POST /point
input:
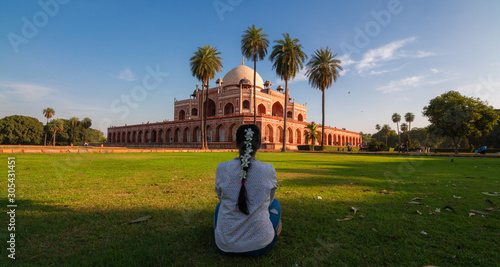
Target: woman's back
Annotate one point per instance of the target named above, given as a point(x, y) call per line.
point(236, 231)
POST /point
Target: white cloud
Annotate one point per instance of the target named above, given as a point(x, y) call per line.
point(399, 85)
point(29, 92)
point(392, 51)
point(126, 75)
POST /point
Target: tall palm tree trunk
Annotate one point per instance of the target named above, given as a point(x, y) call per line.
point(323, 120)
point(205, 141)
point(202, 117)
point(254, 90)
point(45, 141)
point(285, 115)
point(409, 137)
point(399, 135)
point(54, 138)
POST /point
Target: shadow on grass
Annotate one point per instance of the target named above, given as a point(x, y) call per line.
point(387, 233)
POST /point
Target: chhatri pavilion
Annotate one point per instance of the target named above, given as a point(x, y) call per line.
point(230, 105)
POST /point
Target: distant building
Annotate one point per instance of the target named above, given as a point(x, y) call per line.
point(229, 106)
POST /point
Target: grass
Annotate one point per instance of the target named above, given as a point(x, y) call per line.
point(73, 209)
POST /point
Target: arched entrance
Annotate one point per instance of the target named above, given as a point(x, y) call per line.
point(261, 109)
point(268, 134)
point(277, 109)
point(211, 108)
point(221, 133)
point(182, 115)
point(228, 109)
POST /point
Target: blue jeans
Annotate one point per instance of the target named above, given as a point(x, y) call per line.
point(275, 219)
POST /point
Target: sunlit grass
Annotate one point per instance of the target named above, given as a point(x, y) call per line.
point(73, 209)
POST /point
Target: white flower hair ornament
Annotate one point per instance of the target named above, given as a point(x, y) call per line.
point(245, 158)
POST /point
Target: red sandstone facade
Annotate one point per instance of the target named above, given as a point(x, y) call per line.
point(229, 106)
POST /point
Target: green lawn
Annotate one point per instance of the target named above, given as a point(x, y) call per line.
point(73, 209)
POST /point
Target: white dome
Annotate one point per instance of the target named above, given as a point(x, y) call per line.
point(234, 76)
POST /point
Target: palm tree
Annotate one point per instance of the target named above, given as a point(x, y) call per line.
point(377, 127)
point(205, 63)
point(254, 46)
point(73, 122)
point(56, 125)
point(86, 123)
point(396, 118)
point(386, 129)
point(312, 134)
point(48, 113)
point(409, 117)
point(323, 70)
point(287, 57)
point(404, 127)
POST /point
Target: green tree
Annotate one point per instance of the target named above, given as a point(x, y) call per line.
point(22, 130)
point(74, 121)
point(287, 57)
point(366, 138)
point(48, 113)
point(55, 126)
point(377, 127)
point(86, 123)
point(396, 118)
point(386, 130)
point(205, 63)
point(409, 117)
point(254, 46)
point(312, 134)
point(489, 140)
point(457, 117)
point(323, 70)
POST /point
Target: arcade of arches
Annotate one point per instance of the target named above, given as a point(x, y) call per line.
point(173, 133)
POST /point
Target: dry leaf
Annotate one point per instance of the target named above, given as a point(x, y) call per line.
point(361, 216)
point(320, 197)
point(449, 208)
point(348, 217)
point(385, 192)
point(423, 233)
point(471, 214)
point(490, 209)
point(493, 194)
point(414, 202)
point(142, 219)
point(480, 212)
point(289, 192)
point(416, 198)
point(366, 190)
point(354, 209)
point(430, 211)
point(419, 213)
point(490, 203)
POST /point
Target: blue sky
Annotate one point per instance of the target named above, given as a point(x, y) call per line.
point(83, 58)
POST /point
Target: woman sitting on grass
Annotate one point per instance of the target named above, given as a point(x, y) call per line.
point(247, 218)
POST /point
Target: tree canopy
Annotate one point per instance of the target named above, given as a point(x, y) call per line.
point(455, 116)
point(22, 130)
